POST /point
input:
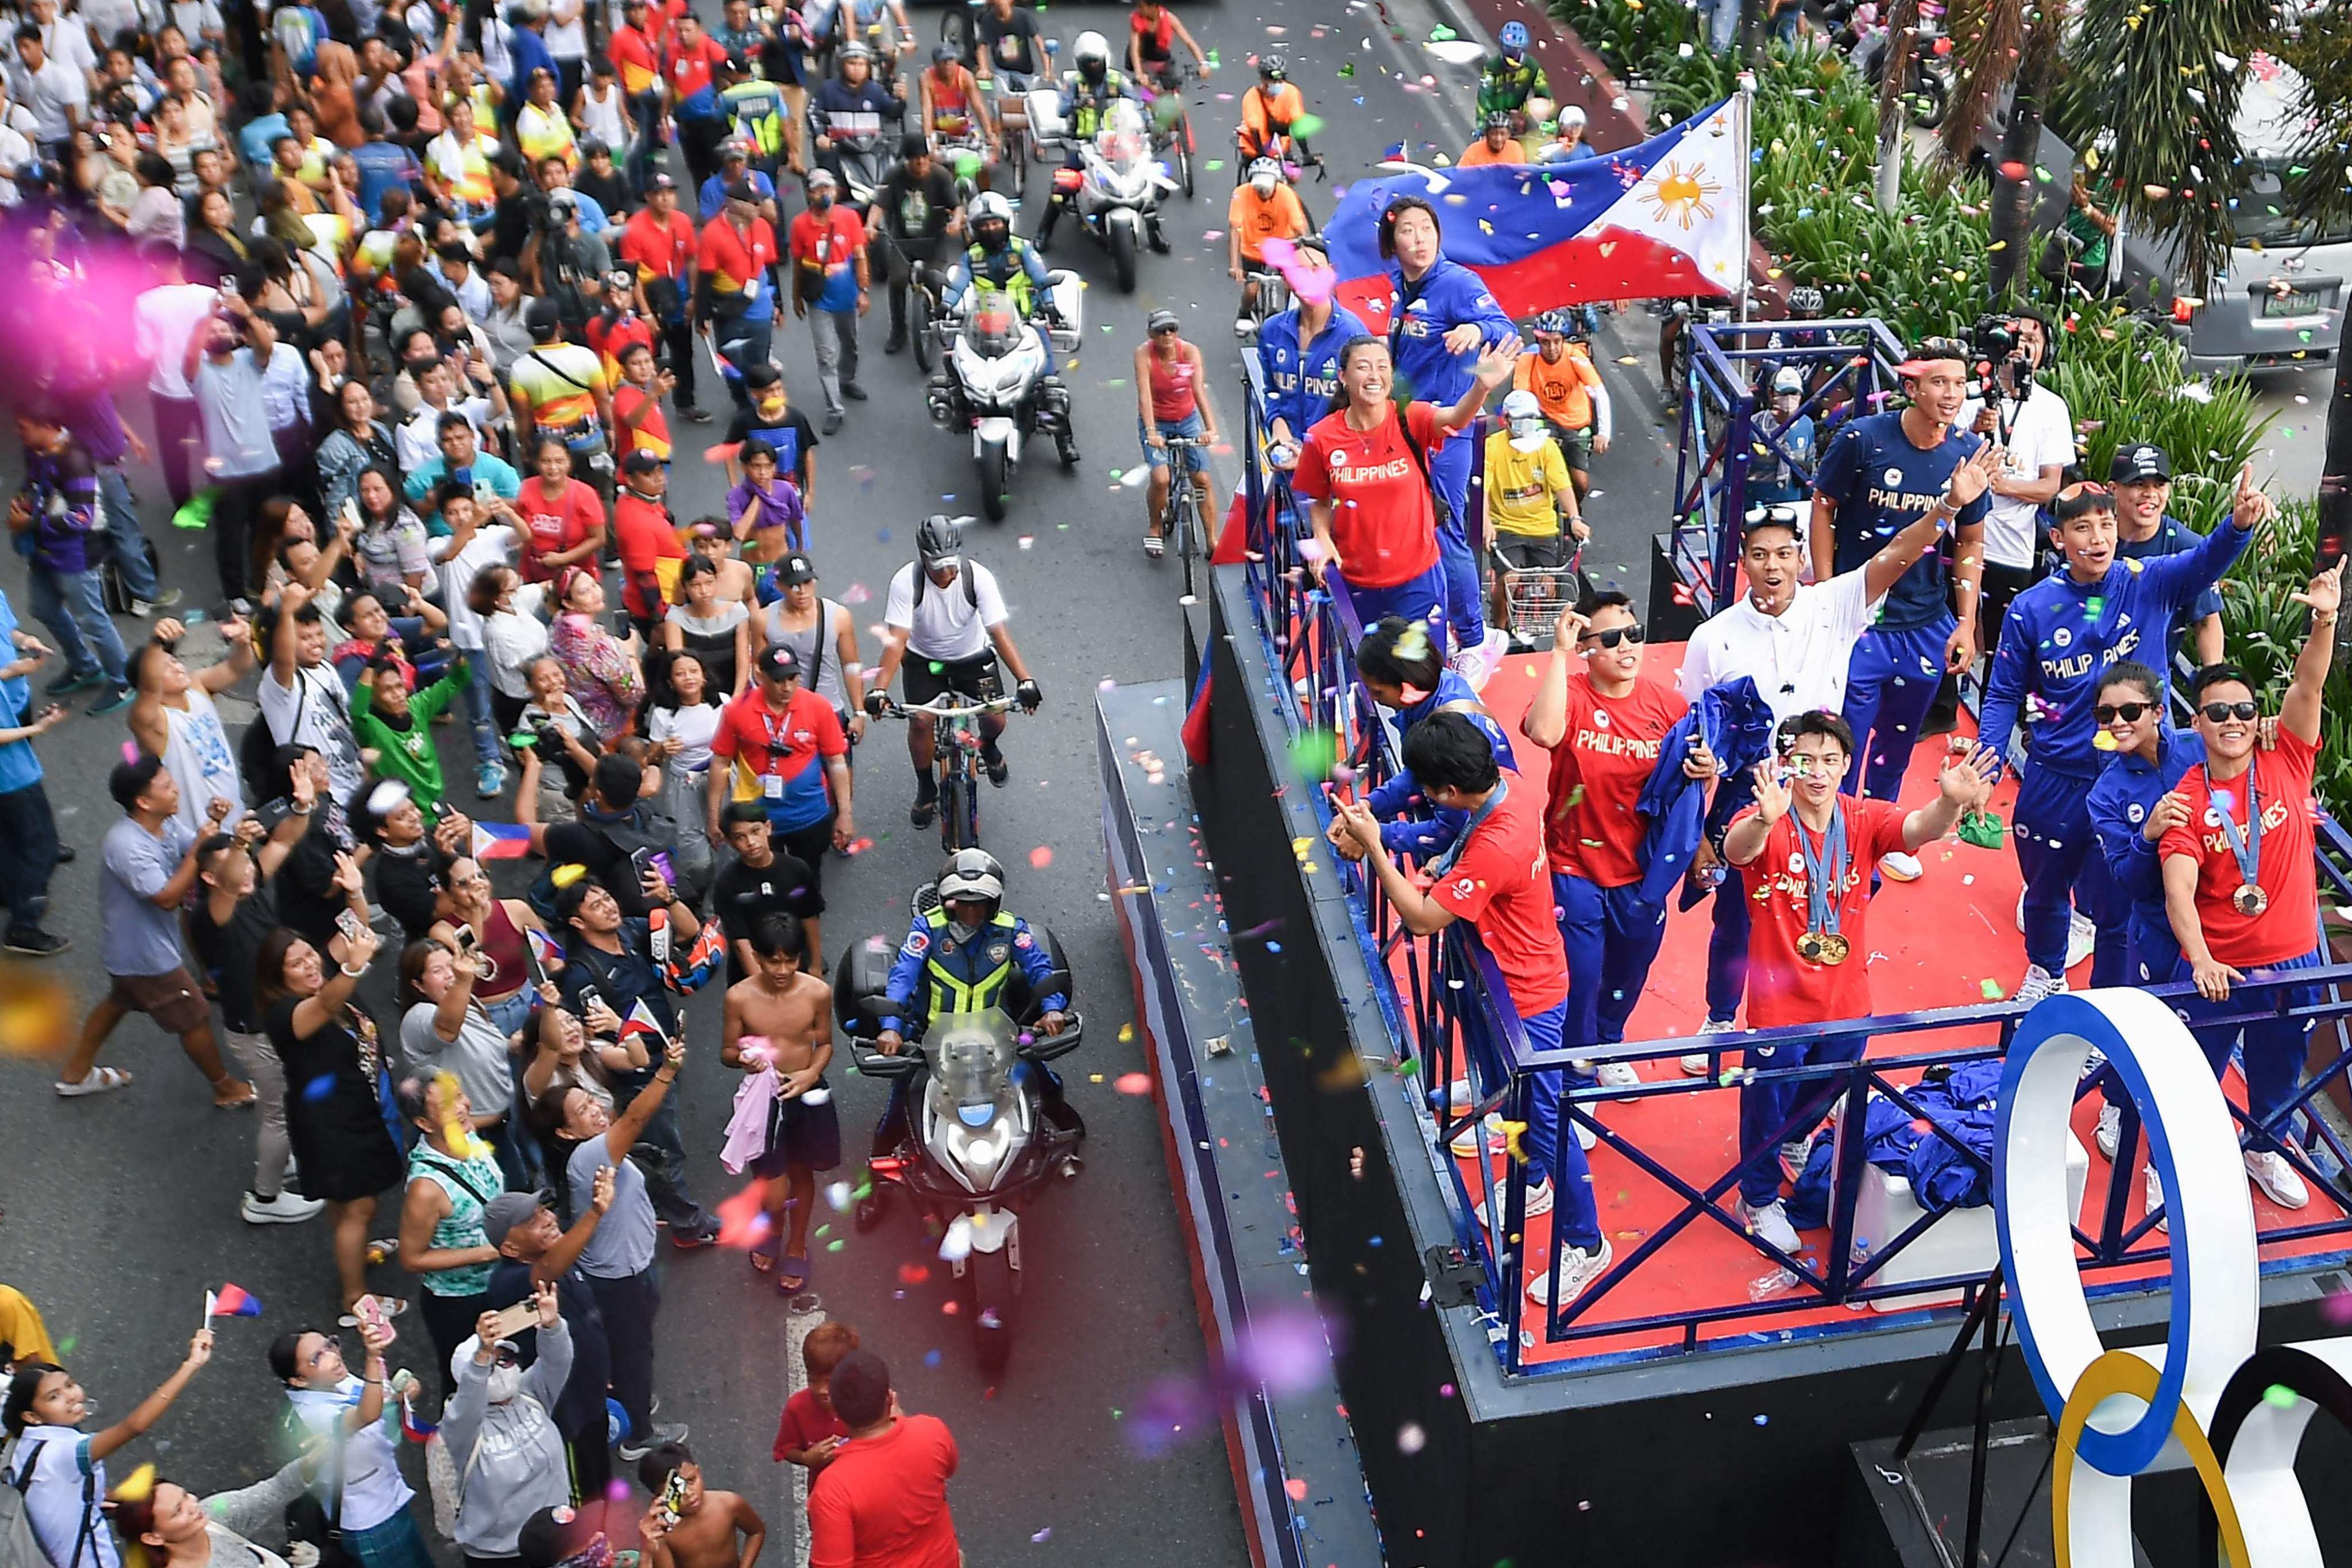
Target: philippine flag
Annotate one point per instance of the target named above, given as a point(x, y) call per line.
point(500, 841)
point(231, 1301)
point(1666, 219)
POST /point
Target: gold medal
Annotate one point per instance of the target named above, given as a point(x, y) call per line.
point(1809, 946)
point(2250, 899)
point(1834, 948)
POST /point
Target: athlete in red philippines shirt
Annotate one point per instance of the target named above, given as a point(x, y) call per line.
point(1368, 492)
point(1807, 870)
point(1494, 876)
point(1603, 725)
point(2240, 883)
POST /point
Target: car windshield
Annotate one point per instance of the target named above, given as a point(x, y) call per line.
point(993, 326)
point(2263, 217)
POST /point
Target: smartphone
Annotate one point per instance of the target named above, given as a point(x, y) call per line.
point(464, 939)
point(672, 1501)
point(349, 923)
point(514, 1319)
point(241, 608)
point(370, 1311)
point(2334, 522)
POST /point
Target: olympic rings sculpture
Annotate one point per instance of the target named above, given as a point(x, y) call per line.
point(2238, 1414)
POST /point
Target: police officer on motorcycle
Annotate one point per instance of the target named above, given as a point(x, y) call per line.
point(1088, 92)
point(966, 953)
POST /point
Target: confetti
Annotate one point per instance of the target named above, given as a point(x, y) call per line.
point(1041, 857)
point(1132, 1083)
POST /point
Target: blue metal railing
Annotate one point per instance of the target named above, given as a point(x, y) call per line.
point(1451, 1016)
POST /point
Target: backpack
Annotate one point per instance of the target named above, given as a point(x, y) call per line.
point(18, 1548)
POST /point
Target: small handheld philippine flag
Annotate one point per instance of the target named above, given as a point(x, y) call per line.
point(231, 1301)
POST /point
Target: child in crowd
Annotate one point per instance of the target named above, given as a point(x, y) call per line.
point(810, 1433)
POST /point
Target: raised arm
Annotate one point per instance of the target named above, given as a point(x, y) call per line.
point(1969, 481)
point(630, 1126)
point(2300, 712)
point(1496, 364)
point(151, 1409)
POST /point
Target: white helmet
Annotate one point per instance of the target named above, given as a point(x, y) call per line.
point(1091, 45)
point(988, 206)
point(1265, 173)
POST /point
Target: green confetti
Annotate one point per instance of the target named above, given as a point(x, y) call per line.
point(1213, 165)
point(835, 1245)
point(2281, 1396)
point(1307, 126)
point(65, 1345)
point(1991, 990)
point(1442, 33)
point(1313, 753)
point(2095, 606)
point(1347, 68)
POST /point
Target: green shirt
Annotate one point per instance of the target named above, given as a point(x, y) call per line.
point(470, 1185)
point(408, 754)
point(1506, 86)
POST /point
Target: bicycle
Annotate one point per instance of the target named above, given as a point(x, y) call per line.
point(1180, 520)
point(1171, 135)
point(956, 741)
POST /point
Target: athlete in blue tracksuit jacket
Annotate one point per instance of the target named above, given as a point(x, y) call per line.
point(1397, 676)
point(1429, 298)
point(2126, 791)
point(1875, 479)
point(2056, 642)
point(1302, 384)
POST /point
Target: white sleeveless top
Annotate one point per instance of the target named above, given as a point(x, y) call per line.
point(202, 762)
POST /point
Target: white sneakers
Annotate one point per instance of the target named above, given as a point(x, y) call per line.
point(1696, 1062)
point(1466, 1142)
point(285, 1209)
point(2038, 983)
point(1794, 1154)
point(1618, 1075)
point(2082, 936)
point(2269, 1169)
point(1477, 665)
point(1578, 1268)
point(2110, 1135)
point(1539, 1202)
point(1770, 1225)
point(1901, 866)
point(2154, 1198)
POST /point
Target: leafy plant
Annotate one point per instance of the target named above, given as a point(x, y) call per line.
point(2266, 629)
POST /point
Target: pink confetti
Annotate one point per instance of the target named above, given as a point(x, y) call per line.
point(1041, 857)
point(1132, 1083)
point(1297, 1486)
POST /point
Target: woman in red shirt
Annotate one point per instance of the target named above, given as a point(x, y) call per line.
point(1366, 476)
point(2240, 883)
point(564, 520)
point(1811, 850)
point(1603, 725)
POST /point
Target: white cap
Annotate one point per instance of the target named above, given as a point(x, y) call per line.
point(1520, 404)
point(1571, 115)
point(1528, 431)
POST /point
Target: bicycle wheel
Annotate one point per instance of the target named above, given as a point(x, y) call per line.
point(1016, 164)
point(956, 806)
point(955, 29)
point(1184, 154)
point(918, 323)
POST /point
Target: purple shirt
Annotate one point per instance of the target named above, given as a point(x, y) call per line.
point(62, 487)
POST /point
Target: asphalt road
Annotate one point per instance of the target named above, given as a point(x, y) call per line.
point(120, 1210)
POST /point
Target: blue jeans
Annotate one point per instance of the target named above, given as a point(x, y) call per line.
point(2063, 866)
point(1421, 598)
point(69, 604)
point(645, 152)
point(477, 707)
point(2273, 1048)
point(1890, 683)
point(659, 1155)
point(1765, 1106)
point(133, 559)
point(1552, 1149)
point(394, 1543)
point(1611, 938)
point(1727, 949)
point(1720, 19)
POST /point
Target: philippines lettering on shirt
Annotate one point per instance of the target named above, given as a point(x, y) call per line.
point(1612, 743)
point(2071, 666)
point(2216, 842)
point(1887, 498)
point(1344, 472)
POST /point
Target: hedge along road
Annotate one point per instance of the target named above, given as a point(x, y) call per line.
point(120, 1210)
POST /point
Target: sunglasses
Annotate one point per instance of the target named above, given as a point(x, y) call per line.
point(2220, 713)
point(1614, 636)
point(2083, 488)
point(2130, 713)
point(1165, 332)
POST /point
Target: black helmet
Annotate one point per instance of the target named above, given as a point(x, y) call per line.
point(971, 875)
point(1273, 68)
point(542, 318)
point(914, 144)
point(939, 539)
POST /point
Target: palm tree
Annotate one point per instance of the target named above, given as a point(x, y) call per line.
point(1894, 75)
point(2166, 76)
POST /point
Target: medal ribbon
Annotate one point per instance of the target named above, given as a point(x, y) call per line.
point(2246, 845)
point(1825, 871)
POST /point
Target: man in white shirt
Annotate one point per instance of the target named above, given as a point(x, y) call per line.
point(2036, 432)
point(1794, 639)
point(66, 38)
point(57, 93)
point(949, 613)
point(302, 698)
point(162, 321)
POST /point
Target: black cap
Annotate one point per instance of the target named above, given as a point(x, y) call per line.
point(796, 568)
point(660, 183)
point(639, 461)
point(2139, 462)
point(779, 662)
point(543, 317)
point(744, 191)
point(552, 1535)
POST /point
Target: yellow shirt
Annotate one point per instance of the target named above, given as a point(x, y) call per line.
point(1523, 489)
point(558, 382)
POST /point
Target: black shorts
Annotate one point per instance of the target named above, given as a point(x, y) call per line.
point(801, 1134)
point(928, 679)
point(1523, 550)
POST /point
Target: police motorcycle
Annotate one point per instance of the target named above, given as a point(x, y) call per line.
point(994, 383)
point(863, 149)
point(1116, 190)
point(980, 1139)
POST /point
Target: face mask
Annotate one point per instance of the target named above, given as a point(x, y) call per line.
point(820, 200)
point(505, 1383)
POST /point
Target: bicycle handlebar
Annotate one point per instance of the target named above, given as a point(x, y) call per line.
point(936, 708)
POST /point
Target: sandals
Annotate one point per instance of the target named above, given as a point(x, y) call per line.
point(793, 1277)
point(1154, 546)
point(245, 1102)
point(763, 1253)
point(100, 1081)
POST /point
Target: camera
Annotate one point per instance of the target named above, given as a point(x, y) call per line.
point(1997, 342)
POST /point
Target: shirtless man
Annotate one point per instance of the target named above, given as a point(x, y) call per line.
point(782, 1016)
point(190, 738)
point(703, 1533)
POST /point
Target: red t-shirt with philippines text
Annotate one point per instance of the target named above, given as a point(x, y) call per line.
point(2282, 784)
point(556, 526)
point(1499, 885)
point(883, 1501)
point(1599, 770)
point(1384, 524)
point(1781, 987)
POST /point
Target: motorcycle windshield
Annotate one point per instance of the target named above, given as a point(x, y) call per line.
point(1121, 141)
point(971, 1057)
point(993, 326)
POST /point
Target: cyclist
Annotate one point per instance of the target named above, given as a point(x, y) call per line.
point(1268, 111)
point(917, 208)
point(1008, 48)
point(1264, 207)
point(1508, 81)
point(1495, 144)
point(851, 21)
point(961, 956)
point(1568, 388)
point(1152, 33)
point(948, 613)
point(1171, 389)
point(1299, 353)
point(953, 108)
point(1089, 89)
